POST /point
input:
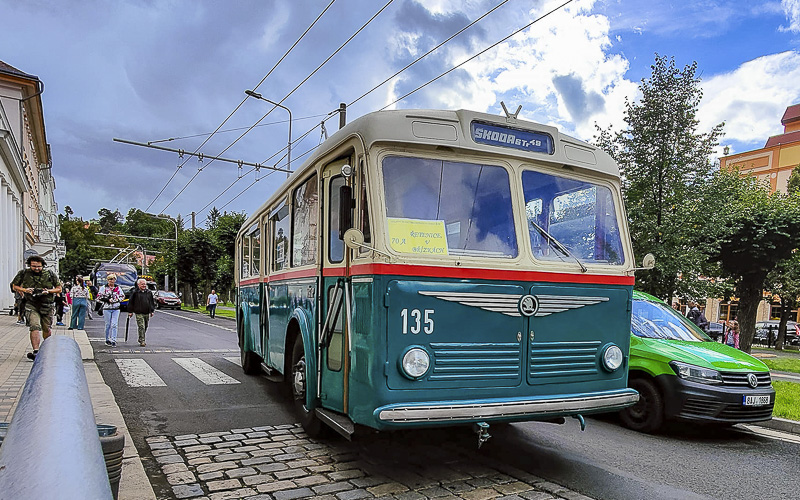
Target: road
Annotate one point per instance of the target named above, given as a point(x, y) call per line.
point(186, 401)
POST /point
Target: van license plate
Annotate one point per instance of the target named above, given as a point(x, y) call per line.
point(756, 400)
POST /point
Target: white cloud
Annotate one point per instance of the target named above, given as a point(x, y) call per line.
point(751, 99)
point(792, 10)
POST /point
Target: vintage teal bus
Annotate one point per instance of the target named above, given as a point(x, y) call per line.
point(429, 268)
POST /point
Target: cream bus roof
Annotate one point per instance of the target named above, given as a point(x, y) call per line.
point(453, 129)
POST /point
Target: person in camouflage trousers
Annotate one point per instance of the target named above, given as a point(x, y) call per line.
point(39, 286)
point(143, 305)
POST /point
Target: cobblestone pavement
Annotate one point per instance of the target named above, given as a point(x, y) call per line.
point(282, 463)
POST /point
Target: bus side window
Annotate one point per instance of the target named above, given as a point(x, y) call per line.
point(335, 245)
point(280, 239)
point(304, 231)
point(255, 268)
point(245, 257)
point(364, 217)
point(336, 345)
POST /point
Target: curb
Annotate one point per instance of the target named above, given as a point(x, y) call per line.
point(781, 424)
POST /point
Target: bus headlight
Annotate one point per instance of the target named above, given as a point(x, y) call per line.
point(415, 363)
point(612, 358)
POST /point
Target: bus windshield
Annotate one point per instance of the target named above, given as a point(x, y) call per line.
point(444, 207)
point(578, 214)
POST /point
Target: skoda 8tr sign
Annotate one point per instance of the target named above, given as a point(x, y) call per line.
point(507, 137)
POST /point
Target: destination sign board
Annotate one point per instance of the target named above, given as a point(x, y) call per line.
point(508, 137)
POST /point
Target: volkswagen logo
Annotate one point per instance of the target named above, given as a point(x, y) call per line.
point(528, 305)
point(752, 380)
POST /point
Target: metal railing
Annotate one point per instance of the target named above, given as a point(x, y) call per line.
point(51, 448)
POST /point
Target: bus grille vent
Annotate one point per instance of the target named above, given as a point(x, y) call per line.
point(563, 359)
point(475, 361)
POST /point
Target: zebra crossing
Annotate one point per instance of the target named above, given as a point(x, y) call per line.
point(137, 372)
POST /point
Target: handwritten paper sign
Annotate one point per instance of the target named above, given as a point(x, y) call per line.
point(420, 237)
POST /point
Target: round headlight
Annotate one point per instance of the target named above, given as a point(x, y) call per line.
point(612, 358)
point(416, 362)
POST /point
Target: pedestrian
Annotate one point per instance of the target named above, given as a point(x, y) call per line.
point(94, 304)
point(111, 295)
point(143, 305)
point(89, 299)
point(60, 301)
point(696, 316)
point(38, 285)
point(19, 307)
point(211, 303)
point(80, 304)
point(732, 337)
point(676, 305)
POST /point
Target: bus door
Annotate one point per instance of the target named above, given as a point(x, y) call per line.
point(334, 362)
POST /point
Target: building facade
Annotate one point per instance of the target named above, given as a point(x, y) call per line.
point(28, 210)
point(772, 165)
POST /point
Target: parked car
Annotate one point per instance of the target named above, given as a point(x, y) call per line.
point(715, 331)
point(681, 374)
point(763, 329)
point(166, 299)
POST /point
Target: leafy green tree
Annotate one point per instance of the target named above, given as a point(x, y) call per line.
point(224, 229)
point(664, 161)
point(794, 181)
point(109, 221)
point(784, 284)
point(751, 233)
point(79, 238)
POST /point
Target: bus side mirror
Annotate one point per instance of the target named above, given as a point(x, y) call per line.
point(649, 261)
point(345, 210)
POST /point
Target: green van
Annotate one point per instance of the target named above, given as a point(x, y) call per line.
point(681, 374)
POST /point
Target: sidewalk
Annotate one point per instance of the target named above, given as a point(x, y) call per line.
point(14, 370)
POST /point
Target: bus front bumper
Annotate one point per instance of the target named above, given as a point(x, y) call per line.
point(504, 410)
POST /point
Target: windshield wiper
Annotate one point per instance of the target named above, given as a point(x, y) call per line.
point(556, 244)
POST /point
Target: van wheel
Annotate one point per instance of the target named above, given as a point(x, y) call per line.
point(299, 376)
point(647, 415)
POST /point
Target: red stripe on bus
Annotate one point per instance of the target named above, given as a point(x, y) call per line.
point(487, 274)
point(251, 281)
point(303, 273)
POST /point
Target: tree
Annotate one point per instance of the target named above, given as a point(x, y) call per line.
point(223, 231)
point(109, 220)
point(784, 283)
point(664, 161)
point(68, 211)
point(751, 233)
point(794, 181)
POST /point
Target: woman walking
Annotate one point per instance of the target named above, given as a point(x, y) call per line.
point(80, 303)
point(111, 295)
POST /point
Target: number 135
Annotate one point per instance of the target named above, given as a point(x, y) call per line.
point(418, 319)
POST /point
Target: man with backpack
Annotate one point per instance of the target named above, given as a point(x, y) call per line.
point(696, 316)
point(39, 286)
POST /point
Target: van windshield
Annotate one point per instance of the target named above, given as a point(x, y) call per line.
point(655, 320)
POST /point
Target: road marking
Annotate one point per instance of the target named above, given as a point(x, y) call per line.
point(772, 434)
point(199, 321)
point(137, 373)
point(236, 360)
point(204, 372)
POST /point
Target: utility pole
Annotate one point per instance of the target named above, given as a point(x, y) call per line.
point(192, 220)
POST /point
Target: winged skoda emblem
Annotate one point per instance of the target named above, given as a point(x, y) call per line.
point(516, 304)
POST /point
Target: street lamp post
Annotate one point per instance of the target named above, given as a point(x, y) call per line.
point(176, 246)
point(256, 95)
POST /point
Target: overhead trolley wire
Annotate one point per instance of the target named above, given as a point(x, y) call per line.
point(287, 95)
point(415, 61)
point(478, 54)
point(237, 108)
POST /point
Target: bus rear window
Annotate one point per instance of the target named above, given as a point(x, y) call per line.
point(438, 207)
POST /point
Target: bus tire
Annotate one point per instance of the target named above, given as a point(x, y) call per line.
point(251, 362)
point(647, 415)
point(311, 424)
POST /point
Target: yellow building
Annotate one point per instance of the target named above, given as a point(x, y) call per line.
point(773, 163)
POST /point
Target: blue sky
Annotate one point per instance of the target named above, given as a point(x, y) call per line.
point(154, 70)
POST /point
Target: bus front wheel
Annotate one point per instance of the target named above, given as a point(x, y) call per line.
point(311, 424)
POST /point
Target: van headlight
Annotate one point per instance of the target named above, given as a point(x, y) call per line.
point(696, 373)
point(612, 358)
point(415, 363)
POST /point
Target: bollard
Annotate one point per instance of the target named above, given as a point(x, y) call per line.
point(52, 448)
point(113, 445)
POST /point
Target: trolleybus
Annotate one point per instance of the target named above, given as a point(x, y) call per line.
point(428, 268)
